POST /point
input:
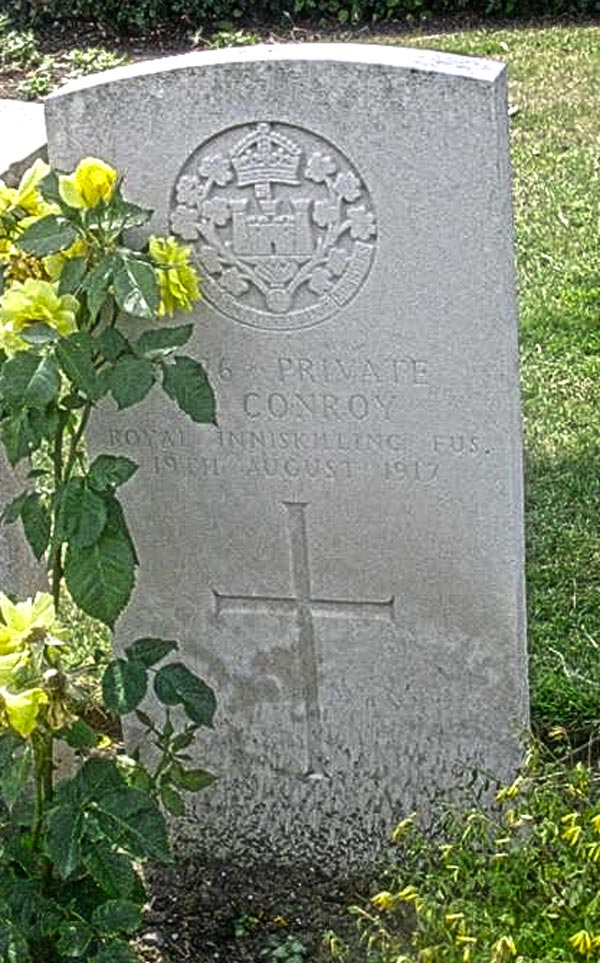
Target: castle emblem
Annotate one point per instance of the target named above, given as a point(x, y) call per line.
point(282, 224)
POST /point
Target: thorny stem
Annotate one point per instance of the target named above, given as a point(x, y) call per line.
point(76, 440)
point(58, 475)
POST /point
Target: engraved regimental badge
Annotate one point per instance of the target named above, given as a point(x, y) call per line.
point(282, 223)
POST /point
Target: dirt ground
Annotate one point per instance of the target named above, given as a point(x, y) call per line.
point(208, 912)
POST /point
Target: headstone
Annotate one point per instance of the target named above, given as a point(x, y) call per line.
point(342, 556)
point(20, 574)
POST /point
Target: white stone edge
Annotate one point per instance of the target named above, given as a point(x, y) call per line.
point(378, 55)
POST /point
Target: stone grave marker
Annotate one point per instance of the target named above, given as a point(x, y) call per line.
point(342, 556)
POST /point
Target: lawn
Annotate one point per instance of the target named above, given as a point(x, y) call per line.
point(555, 96)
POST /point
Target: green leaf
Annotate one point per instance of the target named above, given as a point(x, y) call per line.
point(82, 514)
point(136, 286)
point(98, 776)
point(16, 774)
point(171, 800)
point(97, 283)
point(100, 577)
point(36, 520)
point(48, 188)
point(128, 214)
point(116, 951)
point(39, 333)
point(76, 358)
point(29, 379)
point(193, 780)
point(112, 871)
point(150, 651)
point(72, 275)
point(111, 344)
point(137, 823)
point(186, 383)
point(124, 685)
point(108, 471)
point(13, 945)
point(160, 341)
point(93, 515)
point(64, 825)
point(130, 380)
point(79, 735)
point(70, 498)
point(12, 511)
point(49, 235)
point(74, 939)
point(117, 916)
point(19, 436)
point(175, 684)
point(184, 739)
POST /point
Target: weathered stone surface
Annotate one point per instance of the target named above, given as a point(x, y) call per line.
point(343, 555)
point(22, 139)
point(19, 572)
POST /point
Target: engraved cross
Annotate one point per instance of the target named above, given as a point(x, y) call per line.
point(304, 608)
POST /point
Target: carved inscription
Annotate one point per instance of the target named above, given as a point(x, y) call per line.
point(283, 224)
point(301, 605)
point(322, 419)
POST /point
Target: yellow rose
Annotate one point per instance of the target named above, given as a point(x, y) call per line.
point(22, 710)
point(9, 665)
point(27, 195)
point(21, 620)
point(7, 197)
point(177, 278)
point(91, 182)
point(37, 301)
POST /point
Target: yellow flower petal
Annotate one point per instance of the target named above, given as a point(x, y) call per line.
point(383, 901)
point(24, 619)
point(22, 709)
point(582, 942)
point(38, 301)
point(177, 277)
point(8, 667)
point(91, 182)
point(27, 194)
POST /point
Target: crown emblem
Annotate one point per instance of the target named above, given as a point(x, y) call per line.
point(265, 156)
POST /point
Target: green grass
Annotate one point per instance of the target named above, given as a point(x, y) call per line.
point(554, 82)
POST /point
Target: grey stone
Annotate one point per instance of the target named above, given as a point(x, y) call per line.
point(23, 138)
point(343, 556)
point(20, 574)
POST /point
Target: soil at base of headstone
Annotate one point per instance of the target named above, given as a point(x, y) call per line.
point(204, 911)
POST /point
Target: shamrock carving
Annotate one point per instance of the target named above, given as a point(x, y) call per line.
point(347, 186)
point(184, 223)
point(320, 281)
point(362, 223)
point(233, 282)
point(217, 210)
point(216, 168)
point(319, 167)
point(325, 212)
point(189, 191)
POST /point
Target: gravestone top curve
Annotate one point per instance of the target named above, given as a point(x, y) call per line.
point(380, 55)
